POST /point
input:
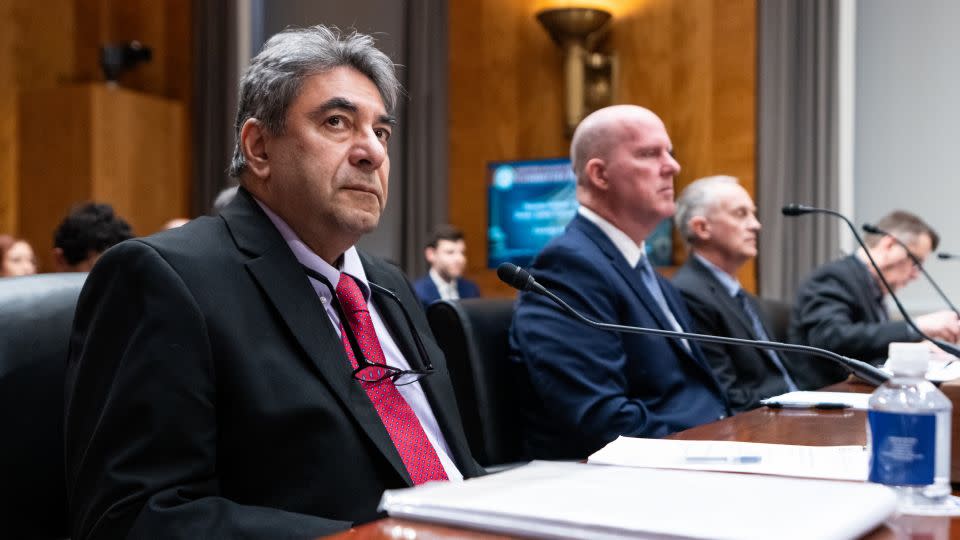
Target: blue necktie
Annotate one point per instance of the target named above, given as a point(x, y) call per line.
point(649, 279)
point(761, 334)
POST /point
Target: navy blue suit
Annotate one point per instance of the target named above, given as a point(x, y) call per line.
point(427, 291)
point(588, 386)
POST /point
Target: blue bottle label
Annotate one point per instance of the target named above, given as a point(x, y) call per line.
point(903, 448)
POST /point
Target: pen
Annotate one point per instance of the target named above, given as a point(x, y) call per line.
point(820, 406)
point(723, 459)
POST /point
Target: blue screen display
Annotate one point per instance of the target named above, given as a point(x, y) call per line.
point(531, 202)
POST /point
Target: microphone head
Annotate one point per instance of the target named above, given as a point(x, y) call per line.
point(872, 229)
point(794, 209)
point(514, 276)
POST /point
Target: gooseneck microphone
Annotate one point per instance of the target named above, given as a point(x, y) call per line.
point(873, 229)
point(799, 210)
point(947, 256)
point(520, 279)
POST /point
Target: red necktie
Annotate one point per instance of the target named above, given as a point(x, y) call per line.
point(408, 437)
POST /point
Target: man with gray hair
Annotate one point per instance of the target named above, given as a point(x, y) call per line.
point(253, 374)
point(588, 386)
point(717, 219)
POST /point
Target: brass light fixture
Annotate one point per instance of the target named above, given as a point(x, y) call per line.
point(588, 75)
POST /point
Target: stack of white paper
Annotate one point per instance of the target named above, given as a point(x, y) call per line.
point(572, 500)
point(812, 400)
point(829, 462)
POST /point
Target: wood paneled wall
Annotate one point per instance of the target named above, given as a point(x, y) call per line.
point(693, 62)
point(55, 43)
point(36, 51)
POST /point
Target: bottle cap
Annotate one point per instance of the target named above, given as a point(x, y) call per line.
point(909, 359)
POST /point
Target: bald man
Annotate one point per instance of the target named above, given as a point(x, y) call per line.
point(588, 386)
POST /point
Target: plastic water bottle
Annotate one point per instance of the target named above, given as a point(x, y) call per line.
point(908, 431)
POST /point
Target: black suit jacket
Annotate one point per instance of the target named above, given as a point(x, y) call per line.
point(747, 374)
point(835, 310)
point(208, 395)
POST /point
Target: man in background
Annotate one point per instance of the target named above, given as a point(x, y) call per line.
point(447, 256)
point(840, 306)
point(585, 386)
point(254, 374)
point(717, 219)
point(87, 231)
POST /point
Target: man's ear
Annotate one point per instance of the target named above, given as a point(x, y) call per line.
point(885, 244)
point(429, 253)
point(253, 144)
point(596, 172)
point(881, 252)
point(699, 227)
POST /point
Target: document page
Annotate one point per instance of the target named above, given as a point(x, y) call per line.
point(943, 371)
point(829, 462)
point(818, 400)
point(576, 500)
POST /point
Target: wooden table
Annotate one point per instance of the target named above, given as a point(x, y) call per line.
point(780, 426)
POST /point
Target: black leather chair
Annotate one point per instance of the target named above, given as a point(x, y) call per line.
point(36, 314)
point(474, 336)
point(776, 313)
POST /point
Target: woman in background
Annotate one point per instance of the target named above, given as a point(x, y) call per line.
point(16, 257)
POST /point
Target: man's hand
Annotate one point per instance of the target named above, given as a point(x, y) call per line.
point(941, 325)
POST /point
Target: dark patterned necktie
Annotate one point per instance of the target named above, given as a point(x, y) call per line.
point(418, 455)
point(761, 334)
point(649, 279)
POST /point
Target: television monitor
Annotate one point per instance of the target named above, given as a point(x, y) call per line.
point(530, 202)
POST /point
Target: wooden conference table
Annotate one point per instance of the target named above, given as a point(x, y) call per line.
point(782, 426)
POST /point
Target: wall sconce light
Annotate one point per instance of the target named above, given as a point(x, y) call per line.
point(588, 75)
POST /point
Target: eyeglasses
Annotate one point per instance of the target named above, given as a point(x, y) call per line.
point(374, 372)
point(915, 261)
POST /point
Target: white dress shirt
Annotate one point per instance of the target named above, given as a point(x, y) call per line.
point(632, 253)
point(447, 289)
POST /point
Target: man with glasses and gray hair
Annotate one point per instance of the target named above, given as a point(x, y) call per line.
point(717, 219)
point(840, 306)
point(253, 374)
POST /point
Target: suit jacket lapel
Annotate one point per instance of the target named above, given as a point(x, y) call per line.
point(863, 289)
point(630, 275)
point(434, 292)
point(279, 274)
point(728, 303)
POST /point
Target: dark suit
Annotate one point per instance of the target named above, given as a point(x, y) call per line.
point(747, 374)
point(837, 309)
point(428, 293)
point(208, 395)
point(585, 387)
